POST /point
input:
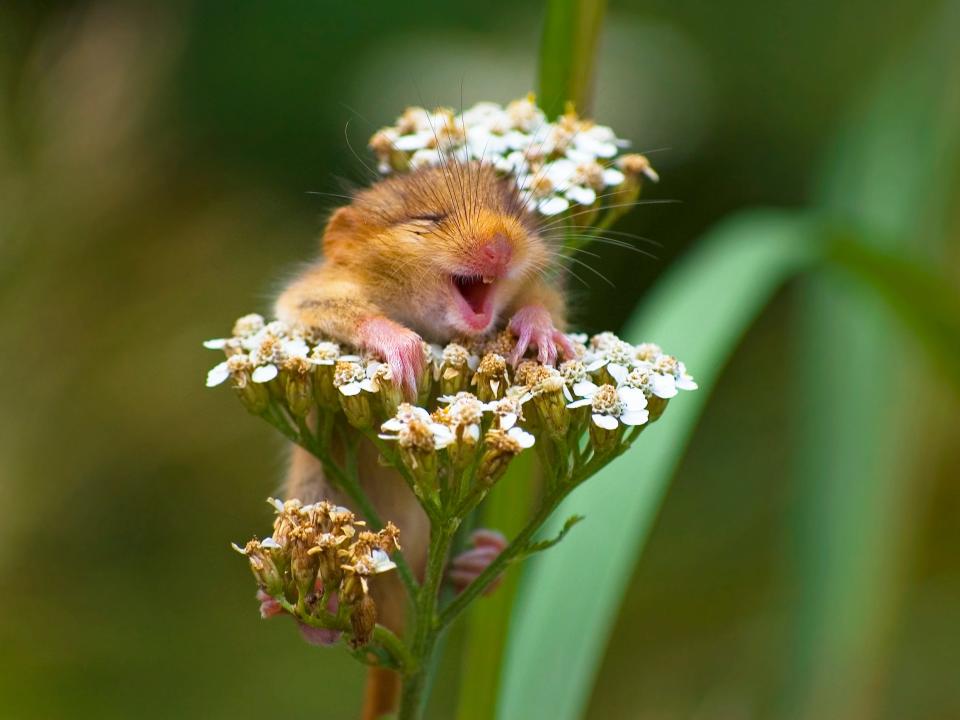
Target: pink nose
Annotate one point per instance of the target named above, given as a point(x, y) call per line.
point(496, 254)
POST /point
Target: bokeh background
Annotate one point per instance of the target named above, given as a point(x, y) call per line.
point(159, 171)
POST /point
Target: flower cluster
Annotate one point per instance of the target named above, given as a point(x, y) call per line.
point(556, 165)
point(481, 406)
point(474, 412)
point(324, 557)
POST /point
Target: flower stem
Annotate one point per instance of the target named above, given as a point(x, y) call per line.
point(427, 627)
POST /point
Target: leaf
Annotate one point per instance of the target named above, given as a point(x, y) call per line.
point(868, 428)
point(542, 545)
point(571, 595)
point(567, 52)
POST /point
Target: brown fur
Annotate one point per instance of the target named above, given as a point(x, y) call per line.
point(391, 253)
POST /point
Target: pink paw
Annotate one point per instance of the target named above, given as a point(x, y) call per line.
point(467, 566)
point(399, 347)
point(533, 326)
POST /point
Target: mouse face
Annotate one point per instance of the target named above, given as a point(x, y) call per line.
point(445, 248)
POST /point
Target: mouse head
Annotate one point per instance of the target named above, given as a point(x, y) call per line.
point(445, 249)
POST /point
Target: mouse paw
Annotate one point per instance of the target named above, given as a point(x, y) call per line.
point(399, 347)
point(533, 326)
point(467, 566)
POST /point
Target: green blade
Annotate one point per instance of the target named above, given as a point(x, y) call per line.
point(571, 594)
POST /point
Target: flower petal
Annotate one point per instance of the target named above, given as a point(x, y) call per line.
point(607, 422)
point(218, 374)
point(264, 373)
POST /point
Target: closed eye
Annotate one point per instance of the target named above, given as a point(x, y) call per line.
point(430, 217)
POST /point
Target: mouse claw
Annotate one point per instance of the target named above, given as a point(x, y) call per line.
point(533, 326)
point(399, 347)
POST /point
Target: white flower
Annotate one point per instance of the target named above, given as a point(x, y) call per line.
point(325, 353)
point(611, 406)
point(509, 409)
point(399, 426)
point(350, 377)
point(465, 413)
point(643, 377)
point(673, 368)
point(236, 366)
point(614, 354)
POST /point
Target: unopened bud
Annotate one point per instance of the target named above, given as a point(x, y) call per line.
point(491, 378)
point(551, 405)
point(363, 620)
point(500, 448)
point(298, 385)
point(263, 567)
point(455, 369)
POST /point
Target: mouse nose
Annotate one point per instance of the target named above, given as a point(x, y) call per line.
point(496, 254)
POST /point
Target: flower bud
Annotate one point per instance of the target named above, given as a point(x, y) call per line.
point(262, 565)
point(391, 396)
point(500, 447)
point(353, 388)
point(455, 369)
point(491, 378)
point(363, 620)
point(296, 377)
point(324, 357)
point(551, 405)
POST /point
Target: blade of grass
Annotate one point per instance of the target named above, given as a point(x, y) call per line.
point(571, 594)
point(892, 173)
point(567, 51)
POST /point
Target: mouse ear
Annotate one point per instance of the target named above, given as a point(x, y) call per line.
point(342, 230)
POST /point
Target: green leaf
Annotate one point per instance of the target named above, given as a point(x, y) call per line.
point(567, 51)
point(865, 432)
point(571, 595)
point(542, 545)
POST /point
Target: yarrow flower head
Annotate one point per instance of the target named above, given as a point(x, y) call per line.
point(556, 165)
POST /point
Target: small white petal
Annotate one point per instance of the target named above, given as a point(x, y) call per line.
point(277, 504)
point(522, 437)
point(596, 364)
point(618, 372)
point(635, 417)
point(370, 386)
point(585, 388)
point(508, 421)
point(264, 373)
point(579, 403)
point(553, 205)
point(215, 344)
point(663, 386)
point(472, 432)
point(218, 374)
point(607, 422)
point(350, 389)
point(581, 195)
point(269, 542)
point(633, 398)
point(612, 176)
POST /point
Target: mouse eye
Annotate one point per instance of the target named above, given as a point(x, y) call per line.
point(423, 223)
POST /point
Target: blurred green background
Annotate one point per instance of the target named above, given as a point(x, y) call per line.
point(157, 170)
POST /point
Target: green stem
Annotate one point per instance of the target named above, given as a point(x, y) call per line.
point(511, 552)
point(427, 628)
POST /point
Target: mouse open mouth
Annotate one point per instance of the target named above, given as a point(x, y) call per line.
point(474, 294)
